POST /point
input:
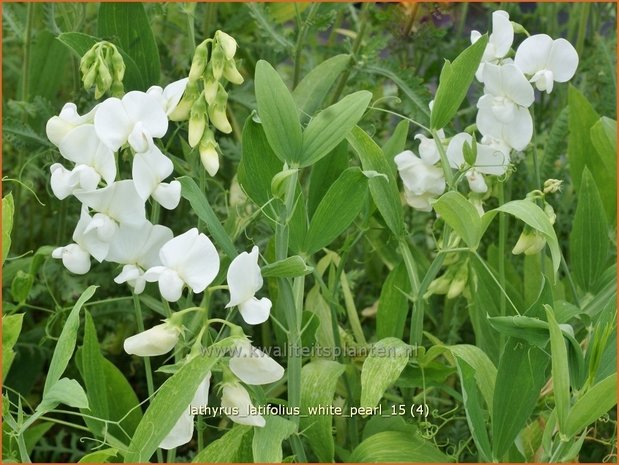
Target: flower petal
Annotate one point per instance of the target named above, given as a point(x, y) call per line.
point(168, 194)
point(112, 123)
point(502, 35)
point(562, 60)
point(120, 201)
point(235, 397)
point(181, 433)
point(518, 134)
point(254, 311)
point(149, 169)
point(74, 258)
point(201, 396)
point(157, 340)
point(532, 54)
point(170, 285)
point(252, 366)
point(244, 277)
point(146, 108)
point(173, 93)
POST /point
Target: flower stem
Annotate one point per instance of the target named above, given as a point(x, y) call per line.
point(449, 176)
point(300, 39)
point(147, 367)
point(502, 242)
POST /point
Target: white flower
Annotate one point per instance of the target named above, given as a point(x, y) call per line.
point(157, 340)
point(181, 433)
point(491, 159)
point(58, 127)
point(119, 201)
point(419, 177)
point(236, 397)
point(135, 119)
point(149, 169)
point(65, 182)
point(428, 151)
point(74, 258)
point(421, 202)
point(252, 366)
point(244, 280)
point(170, 96)
point(476, 181)
point(546, 60)
point(499, 42)
point(191, 259)
point(200, 398)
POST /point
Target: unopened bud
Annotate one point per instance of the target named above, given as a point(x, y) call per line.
point(550, 213)
point(530, 242)
point(227, 43)
point(208, 153)
point(118, 65)
point(103, 81)
point(217, 115)
point(552, 185)
point(198, 64)
point(458, 282)
point(218, 62)
point(182, 110)
point(232, 74)
point(197, 121)
point(211, 86)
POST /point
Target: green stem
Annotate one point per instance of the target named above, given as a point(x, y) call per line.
point(147, 367)
point(354, 51)
point(300, 39)
point(449, 176)
point(502, 242)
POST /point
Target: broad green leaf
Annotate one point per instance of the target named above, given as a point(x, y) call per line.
point(290, 267)
point(461, 216)
point(581, 118)
point(127, 25)
point(324, 173)
point(48, 62)
point(384, 192)
point(604, 168)
point(485, 371)
point(473, 408)
point(331, 126)
point(589, 240)
point(172, 398)
point(534, 216)
point(560, 369)
point(598, 400)
point(382, 368)
point(454, 83)
point(99, 456)
point(21, 285)
point(313, 88)
point(226, 449)
point(267, 442)
point(278, 113)
point(337, 210)
point(66, 342)
point(201, 206)
point(64, 391)
point(80, 43)
point(318, 381)
point(396, 446)
point(11, 328)
point(93, 372)
point(393, 304)
point(315, 303)
point(486, 296)
point(8, 209)
point(396, 143)
point(258, 164)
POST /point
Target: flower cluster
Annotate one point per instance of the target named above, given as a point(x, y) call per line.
point(503, 117)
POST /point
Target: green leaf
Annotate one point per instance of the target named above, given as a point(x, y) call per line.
point(324, 173)
point(80, 43)
point(598, 400)
point(313, 88)
point(258, 164)
point(66, 342)
point(278, 113)
point(21, 285)
point(171, 400)
point(337, 210)
point(93, 372)
point(581, 118)
point(396, 143)
point(393, 304)
point(560, 369)
point(48, 62)
point(267, 442)
point(318, 381)
point(226, 449)
point(461, 216)
point(290, 267)
point(8, 209)
point(384, 192)
point(534, 216)
point(331, 126)
point(201, 206)
point(396, 446)
point(589, 240)
point(486, 296)
point(127, 25)
point(485, 371)
point(11, 328)
point(64, 391)
point(381, 369)
point(99, 456)
point(454, 83)
point(473, 408)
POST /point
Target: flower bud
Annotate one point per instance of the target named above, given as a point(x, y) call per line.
point(118, 66)
point(550, 213)
point(198, 63)
point(90, 76)
point(103, 81)
point(459, 281)
point(74, 258)
point(197, 121)
point(182, 110)
point(530, 242)
point(208, 153)
point(236, 398)
point(438, 286)
point(157, 340)
point(552, 185)
point(232, 74)
point(218, 62)
point(227, 43)
point(217, 114)
point(252, 366)
point(211, 86)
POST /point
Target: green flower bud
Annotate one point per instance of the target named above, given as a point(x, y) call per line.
point(459, 281)
point(217, 115)
point(439, 286)
point(227, 43)
point(279, 183)
point(89, 77)
point(218, 62)
point(208, 153)
point(199, 61)
point(211, 86)
point(232, 74)
point(197, 121)
point(552, 185)
point(530, 242)
point(182, 110)
point(118, 65)
point(104, 80)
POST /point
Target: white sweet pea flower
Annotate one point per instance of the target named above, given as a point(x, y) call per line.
point(491, 159)
point(119, 201)
point(252, 366)
point(503, 113)
point(157, 340)
point(58, 127)
point(421, 202)
point(191, 259)
point(181, 433)
point(244, 280)
point(149, 170)
point(499, 42)
point(74, 258)
point(64, 182)
point(236, 396)
point(547, 61)
point(171, 95)
point(137, 117)
point(200, 398)
point(428, 151)
point(419, 177)
point(137, 248)
point(476, 181)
